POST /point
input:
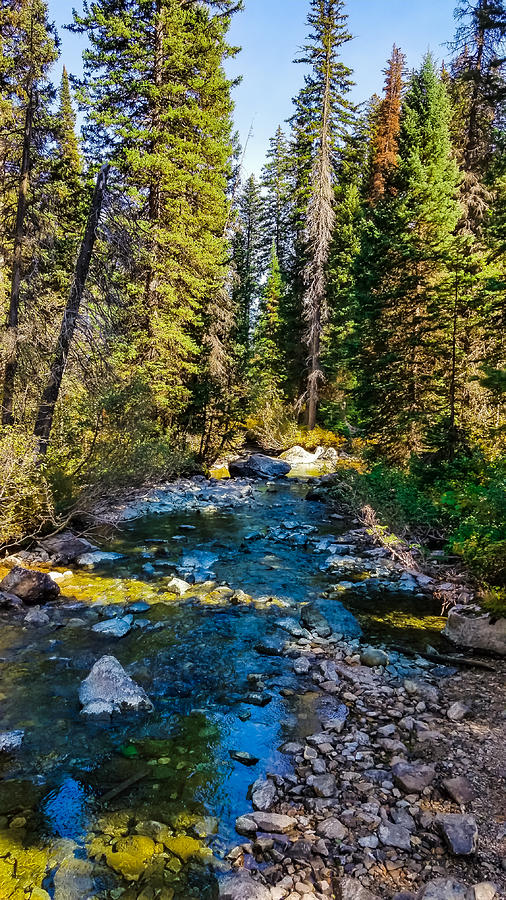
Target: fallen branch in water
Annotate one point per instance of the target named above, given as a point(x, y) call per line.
point(124, 786)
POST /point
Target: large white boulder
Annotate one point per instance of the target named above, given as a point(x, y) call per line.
point(470, 626)
point(108, 689)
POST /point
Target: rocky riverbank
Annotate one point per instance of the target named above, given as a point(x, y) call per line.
point(400, 793)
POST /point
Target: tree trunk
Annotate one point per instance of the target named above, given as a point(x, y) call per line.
point(11, 364)
point(321, 218)
point(452, 435)
point(45, 414)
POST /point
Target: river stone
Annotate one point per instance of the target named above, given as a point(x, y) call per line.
point(370, 656)
point(30, 586)
point(322, 785)
point(116, 628)
point(459, 789)
point(395, 836)
point(246, 825)
point(460, 833)
point(97, 557)
point(109, 684)
point(297, 456)
point(66, 547)
point(458, 711)
point(74, 880)
point(10, 741)
point(413, 777)
point(351, 889)
point(332, 829)
point(313, 620)
point(36, 617)
point(241, 886)
point(179, 586)
point(241, 756)
point(258, 466)
point(469, 626)
point(443, 889)
point(301, 666)
point(272, 823)
point(131, 856)
point(483, 891)
point(263, 795)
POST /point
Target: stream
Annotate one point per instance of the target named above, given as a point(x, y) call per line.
point(210, 662)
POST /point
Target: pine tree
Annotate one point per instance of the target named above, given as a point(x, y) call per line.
point(30, 48)
point(478, 87)
point(277, 184)
point(405, 279)
point(323, 115)
point(158, 105)
point(386, 139)
point(248, 259)
point(266, 366)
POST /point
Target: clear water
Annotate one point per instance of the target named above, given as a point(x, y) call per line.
point(195, 667)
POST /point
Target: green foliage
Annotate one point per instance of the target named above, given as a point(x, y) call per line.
point(26, 503)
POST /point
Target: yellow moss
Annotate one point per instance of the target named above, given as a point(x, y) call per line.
point(186, 848)
point(21, 869)
point(131, 856)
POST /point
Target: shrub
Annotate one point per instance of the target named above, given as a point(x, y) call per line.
point(26, 503)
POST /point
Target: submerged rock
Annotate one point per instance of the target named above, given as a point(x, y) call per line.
point(108, 689)
point(241, 756)
point(30, 586)
point(258, 466)
point(469, 626)
point(116, 628)
point(10, 741)
point(97, 557)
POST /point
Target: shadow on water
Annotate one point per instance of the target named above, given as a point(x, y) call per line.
point(180, 790)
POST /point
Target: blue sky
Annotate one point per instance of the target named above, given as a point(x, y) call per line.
point(270, 33)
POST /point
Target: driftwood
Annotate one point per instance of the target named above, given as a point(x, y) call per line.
point(465, 662)
point(120, 788)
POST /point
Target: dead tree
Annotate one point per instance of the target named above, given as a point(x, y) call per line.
point(49, 399)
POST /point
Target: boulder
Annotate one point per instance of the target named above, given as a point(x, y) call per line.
point(443, 889)
point(258, 466)
point(96, 557)
point(10, 601)
point(469, 626)
point(241, 886)
point(351, 889)
point(413, 777)
point(66, 547)
point(460, 833)
point(108, 689)
point(30, 586)
point(10, 741)
point(297, 456)
point(313, 620)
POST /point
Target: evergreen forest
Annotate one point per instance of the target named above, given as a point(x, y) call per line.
point(161, 306)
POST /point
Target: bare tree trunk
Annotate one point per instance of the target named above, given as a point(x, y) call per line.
point(49, 399)
point(11, 364)
point(321, 219)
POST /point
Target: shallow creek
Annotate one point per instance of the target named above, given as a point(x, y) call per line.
point(193, 656)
